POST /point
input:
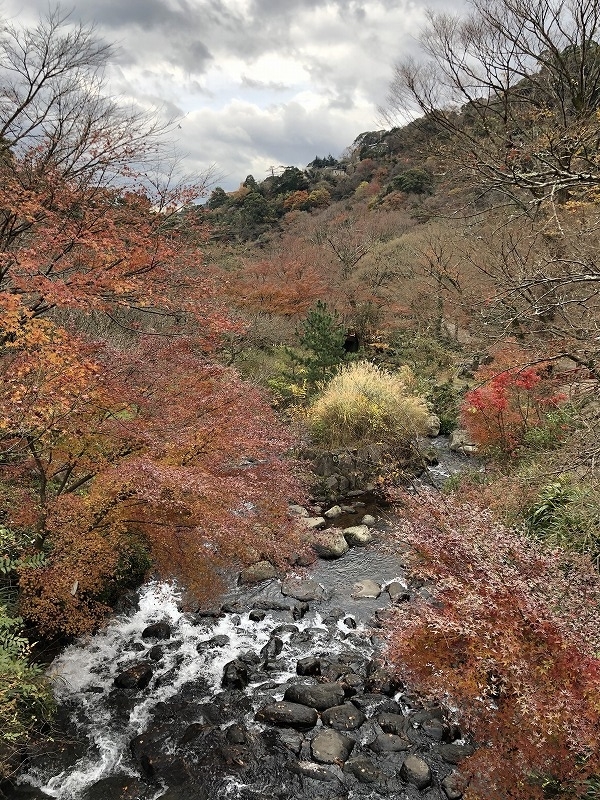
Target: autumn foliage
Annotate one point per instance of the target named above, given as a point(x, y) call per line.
point(122, 438)
point(508, 634)
point(510, 401)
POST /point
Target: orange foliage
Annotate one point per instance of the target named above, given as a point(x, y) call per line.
point(282, 284)
point(108, 446)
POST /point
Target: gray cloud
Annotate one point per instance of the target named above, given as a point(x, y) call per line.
point(259, 82)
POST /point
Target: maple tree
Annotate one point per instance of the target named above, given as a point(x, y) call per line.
point(507, 633)
point(119, 431)
point(509, 402)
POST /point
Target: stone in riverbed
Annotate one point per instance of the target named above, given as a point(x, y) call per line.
point(136, 677)
point(393, 723)
point(346, 717)
point(453, 786)
point(398, 592)
point(256, 573)
point(257, 615)
point(390, 743)
point(366, 589)
point(320, 696)
point(331, 747)
point(272, 649)
point(329, 544)
point(373, 703)
point(357, 535)
point(333, 512)
point(288, 715)
point(235, 675)
point(309, 770)
point(313, 522)
point(304, 590)
point(453, 753)
point(368, 520)
point(363, 770)
point(158, 630)
point(310, 665)
point(125, 787)
point(416, 771)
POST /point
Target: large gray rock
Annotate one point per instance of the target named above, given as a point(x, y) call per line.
point(298, 511)
point(363, 769)
point(366, 588)
point(333, 512)
point(357, 535)
point(331, 747)
point(288, 715)
point(461, 442)
point(302, 589)
point(393, 723)
point(320, 696)
point(416, 771)
point(390, 743)
point(136, 677)
point(346, 717)
point(313, 522)
point(157, 630)
point(433, 426)
point(452, 786)
point(256, 573)
point(454, 753)
point(329, 544)
point(235, 675)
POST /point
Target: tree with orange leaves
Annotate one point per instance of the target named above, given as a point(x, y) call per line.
point(119, 434)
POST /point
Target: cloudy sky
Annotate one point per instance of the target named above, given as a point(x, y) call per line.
point(255, 83)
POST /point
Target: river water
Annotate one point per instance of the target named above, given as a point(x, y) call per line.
point(144, 717)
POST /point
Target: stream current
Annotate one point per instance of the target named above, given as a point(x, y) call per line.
point(177, 713)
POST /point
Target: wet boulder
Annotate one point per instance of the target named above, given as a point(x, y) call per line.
point(158, 630)
point(291, 739)
point(320, 696)
point(357, 535)
point(363, 769)
point(257, 615)
point(136, 677)
point(272, 649)
point(257, 573)
point(331, 747)
point(454, 753)
point(303, 590)
point(372, 704)
point(309, 770)
point(346, 717)
point(289, 715)
point(390, 743)
point(366, 589)
point(416, 772)
point(329, 544)
point(380, 680)
point(398, 592)
point(235, 675)
point(393, 723)
point(310, 665)
point(125, 787)
point(453, 786)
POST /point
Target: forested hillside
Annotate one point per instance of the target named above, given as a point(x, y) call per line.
point(166, 349)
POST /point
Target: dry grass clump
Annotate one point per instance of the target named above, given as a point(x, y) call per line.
point(364, 404)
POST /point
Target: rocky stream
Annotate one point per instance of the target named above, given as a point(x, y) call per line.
point(276, 692)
